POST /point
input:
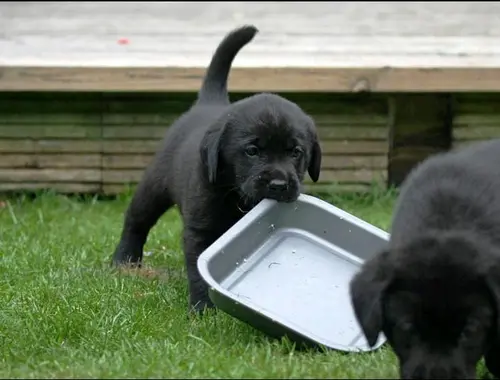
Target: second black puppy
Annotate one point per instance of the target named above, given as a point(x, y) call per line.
point(217, 161)
point(435, 291)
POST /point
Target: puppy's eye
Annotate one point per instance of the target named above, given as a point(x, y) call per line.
point(251, 150)
point(296, 152)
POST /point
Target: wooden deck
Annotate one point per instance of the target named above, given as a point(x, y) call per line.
point(88, 89)
point(302, 46)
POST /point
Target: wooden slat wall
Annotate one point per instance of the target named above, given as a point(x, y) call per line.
point(49, 141)
point(102, 142)
point(477, 118)
point(353, 130)
point(420, 126)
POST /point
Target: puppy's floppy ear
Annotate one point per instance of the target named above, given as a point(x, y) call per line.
point(367, 290)
point(315, 160)
point(210, 148)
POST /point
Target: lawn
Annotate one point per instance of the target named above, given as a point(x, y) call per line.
point(65, 313)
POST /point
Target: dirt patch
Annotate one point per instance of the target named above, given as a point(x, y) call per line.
point(163, 274)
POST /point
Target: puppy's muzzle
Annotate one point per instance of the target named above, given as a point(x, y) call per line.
point(280, 189)
point(271, 183)
point(277, 186)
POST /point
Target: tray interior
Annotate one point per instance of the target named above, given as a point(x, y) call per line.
point(293, 263)
point(303, 281)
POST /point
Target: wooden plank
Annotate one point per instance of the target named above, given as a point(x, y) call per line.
point(478, 132)
point(146, 119)
point(50, 175)
point(37, 131)
point(327, 108)
point(309, 188)
point(463, 143)
point(117, 176)
point(365, 132)
point(140, 161)
point(333, 132)
point(150, 132)
point(416, 151)
point(71, 188)
point(469, 101)
point(352, 176)
point(52, 146)
point(284, 79)
point(45, 161)
point(473, 119)
point(56, 118)
point(409, 46)
point(127, 146)
point(354, 162)
point(150, 146)
point(160, 118)
point(476, 119)
point(337, 188)
point(50, 103)
point(417, 120)
point(407, 158)
point(104, 19)
point(126, 161)
point(475, 104)
point(354, 147)
point(328, 147)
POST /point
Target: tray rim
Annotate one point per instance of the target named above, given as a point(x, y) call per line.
point(262, 207)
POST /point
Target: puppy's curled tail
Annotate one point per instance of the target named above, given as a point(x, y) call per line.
point(214, 87)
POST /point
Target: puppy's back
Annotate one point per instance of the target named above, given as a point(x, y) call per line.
point(458, 189)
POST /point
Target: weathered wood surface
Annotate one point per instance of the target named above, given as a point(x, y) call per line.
point(420, 125)
point(104, 142)
point(477, 118)
point(313, 46)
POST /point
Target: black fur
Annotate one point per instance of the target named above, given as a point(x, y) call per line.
point(435, 291)
point(217, 161)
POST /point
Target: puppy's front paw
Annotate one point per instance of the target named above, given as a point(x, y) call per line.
point(126, 264)
point(127, 255)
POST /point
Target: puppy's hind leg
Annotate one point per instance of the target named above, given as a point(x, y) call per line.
point(148, 204)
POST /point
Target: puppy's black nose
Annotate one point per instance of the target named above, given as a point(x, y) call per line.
point(278, 185)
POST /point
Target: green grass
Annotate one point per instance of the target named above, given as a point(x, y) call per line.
point(64, 313)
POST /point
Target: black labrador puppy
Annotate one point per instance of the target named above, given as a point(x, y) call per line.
point(435, 291)
point(217, 161)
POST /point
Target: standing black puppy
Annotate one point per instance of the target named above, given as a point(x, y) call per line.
point(217, 161)
point(435, 291)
